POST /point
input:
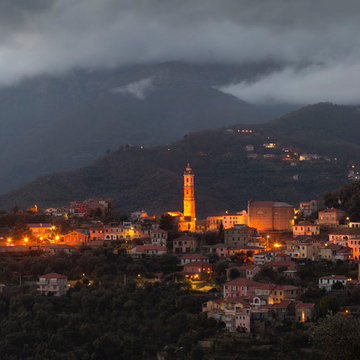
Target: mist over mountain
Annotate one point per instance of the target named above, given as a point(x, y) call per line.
point(53, 123)
point(150, 178)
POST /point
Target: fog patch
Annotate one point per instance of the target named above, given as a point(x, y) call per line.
point(139, 89)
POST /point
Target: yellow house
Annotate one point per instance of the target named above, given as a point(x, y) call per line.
point(303, 249)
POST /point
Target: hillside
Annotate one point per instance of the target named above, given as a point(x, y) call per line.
point(55, 123)
point(323, 128)
point(150, 178)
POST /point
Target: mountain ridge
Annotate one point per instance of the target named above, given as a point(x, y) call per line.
point(150, 178)
point(55, 123)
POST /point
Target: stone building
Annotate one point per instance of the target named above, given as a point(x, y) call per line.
point(270, 215)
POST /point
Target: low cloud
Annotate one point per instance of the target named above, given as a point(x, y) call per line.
point(138, 89)
point(54, 36)
point(337, 83)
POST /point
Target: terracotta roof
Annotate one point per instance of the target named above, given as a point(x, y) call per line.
point(334, 277)
point(198, 263)
point(194, 256)
point(332, 210)
point(61, 246)
point(262, 203)
point(159, 231)
point(218, 246)
point(283, 304)
point(276, 287)
point(351, 231)
point(53, 276)
point(245, 247)
point(306, 224)
point(141, 248)
point(241, 282)
point(45, 225)
point(245, 267)
point(184, 237)
point(280, 263)
point(305, 305)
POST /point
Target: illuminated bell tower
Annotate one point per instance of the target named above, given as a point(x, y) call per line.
point(189, 199)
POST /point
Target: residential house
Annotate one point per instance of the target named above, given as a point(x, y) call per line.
point(309, 208)
point(283, 309)
point(326, 282)
point(245, 271)
point(76, 238)
point(158, 237)
point(281, 265)
point(239, 287)
point(58, 248)
point(186, 259)
point(234, 313)
point(238, 235)
point(340, 236)
point(40, 230)
point(306, 229)
point(305, 312)
point(52, 283)
point(184, 244)
point(233, 219)
point(276, 293)
point(249, 251)
point(331, 217)
point(303, 248)
point(354, 244)
point(196, 268)
point(262, 257)
point(219, 249)
point(346, 253)
point(148, 250)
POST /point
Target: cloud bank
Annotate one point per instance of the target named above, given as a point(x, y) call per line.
point(138, 89)
point(337, 83)
point(53, 36)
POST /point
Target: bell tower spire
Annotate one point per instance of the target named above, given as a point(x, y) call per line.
point(189, 198)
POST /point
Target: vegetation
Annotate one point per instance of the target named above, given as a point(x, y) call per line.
point(338, 337)
point(150, 178)
point(346, 198)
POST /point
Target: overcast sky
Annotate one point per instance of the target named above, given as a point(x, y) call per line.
point(53, 36)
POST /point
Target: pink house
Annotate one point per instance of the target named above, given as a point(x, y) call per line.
point(242, 319)
point(239, 287)
point(331, 217)
point(195, 268)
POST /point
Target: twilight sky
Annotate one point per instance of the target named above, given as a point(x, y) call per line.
point(53, 36)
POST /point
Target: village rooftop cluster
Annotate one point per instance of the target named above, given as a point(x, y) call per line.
point(267, 236)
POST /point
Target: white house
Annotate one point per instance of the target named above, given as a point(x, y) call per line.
point(326, 282)
point(148, 250)
point(52, 283)
point(158, 237)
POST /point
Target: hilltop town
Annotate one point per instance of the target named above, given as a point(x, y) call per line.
point(261, 267)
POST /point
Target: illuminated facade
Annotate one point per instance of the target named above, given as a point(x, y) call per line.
point(187, 223)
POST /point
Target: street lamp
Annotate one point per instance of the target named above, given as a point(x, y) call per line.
point(267, 242)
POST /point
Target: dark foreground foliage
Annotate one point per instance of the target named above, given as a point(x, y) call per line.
point(101, 322)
